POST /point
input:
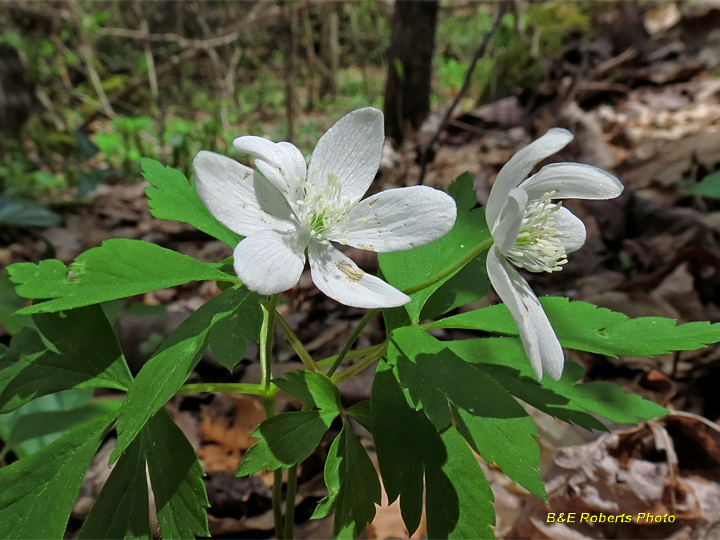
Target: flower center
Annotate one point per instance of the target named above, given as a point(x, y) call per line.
point(321, 209)
point(538, 247)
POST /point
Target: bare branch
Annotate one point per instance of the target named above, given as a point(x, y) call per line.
point(479, 53)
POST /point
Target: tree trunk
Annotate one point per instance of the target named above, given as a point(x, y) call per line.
point(412, 44)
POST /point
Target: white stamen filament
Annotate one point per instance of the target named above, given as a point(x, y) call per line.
point(538, 247)
point(322, 209)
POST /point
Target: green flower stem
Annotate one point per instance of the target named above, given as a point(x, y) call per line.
point(277, 503)
point(349, 343)
point(296, 344)
point(230, 388)
point(369, 360)
point(359, 353)
point(289, 531)
point(266, 343)
point(450, 270)
point(266, 340)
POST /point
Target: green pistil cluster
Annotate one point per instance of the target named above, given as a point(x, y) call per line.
point(538, 246)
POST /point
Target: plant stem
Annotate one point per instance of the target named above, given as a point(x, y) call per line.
point(230, 388)
point(290, 503)
point(353, 370)
point(277, 504)
point(449, 270)
point(296, 344)
point(358, 353)
point(266, 342)
point(349, 343)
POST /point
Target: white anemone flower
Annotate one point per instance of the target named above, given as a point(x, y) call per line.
point(532, 232)
point(286, 207)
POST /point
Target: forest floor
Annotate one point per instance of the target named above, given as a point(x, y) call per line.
point(646, 108)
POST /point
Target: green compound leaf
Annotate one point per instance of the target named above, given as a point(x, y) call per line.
point(176, 480)
point(315, 389)
point(256, 459)
point(586, 327)
point(504, 360)
point(352, 484)
point(37, 493)
point(172, 197)
point(117, 269)
point(87, 355)
point(228, 336)
point(122, 509)
point(292, 437)
point(167, 370)
point(487, 416)
point(409, 448)
point(408, 268)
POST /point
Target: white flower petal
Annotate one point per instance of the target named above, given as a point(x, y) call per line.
point(573, 181)
point(351, 149)
point(228, 190)
point(520, 165)
point(268, 262)
point(506, 230)
point(281, 163)
point(541, 344)
point(568, 223)
point(399, 219)
point(340, 278)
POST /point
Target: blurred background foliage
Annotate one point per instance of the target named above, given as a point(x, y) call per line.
point(91, 86)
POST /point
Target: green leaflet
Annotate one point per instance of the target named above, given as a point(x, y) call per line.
point(94, 351)
point(487, 416)
point(228, 336)
point(257, 457)
point(315, 389)
point(352, 484)
point(709, 186)
point(292, 437)
point(504, 360)
point(409, 448)
point(38, 492)
point(24, 435)
point(361, 412)
point(172, 197)
point(176, 480)
point(168, 369)
point(586, 327)
point(10, 302)
point(117, 269)
point(407, 268)
point(35, 430)
point(289, 438)
point(122, 509)
point(88, 359)
point(459, 497)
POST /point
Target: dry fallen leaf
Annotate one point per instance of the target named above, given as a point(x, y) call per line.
point(668, 468)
